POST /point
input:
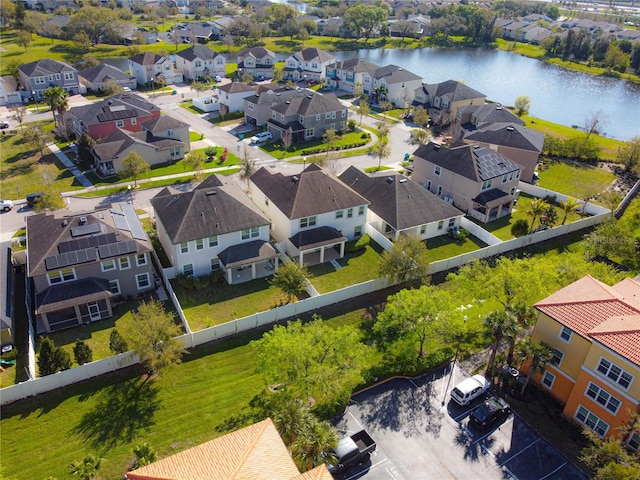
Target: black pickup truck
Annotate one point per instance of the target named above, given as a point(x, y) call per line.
point(352, 450)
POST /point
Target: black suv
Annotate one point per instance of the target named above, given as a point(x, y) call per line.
point(490, 411)
point(32, 198)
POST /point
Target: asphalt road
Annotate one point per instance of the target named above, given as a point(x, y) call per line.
point(421, 434)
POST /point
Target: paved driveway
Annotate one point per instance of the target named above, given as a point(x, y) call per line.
point(421, 434)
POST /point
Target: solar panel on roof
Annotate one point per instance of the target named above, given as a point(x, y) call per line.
point(86, 229)
point(70, 258)
point(86, 242)
point(135, 227)
point(117, 249)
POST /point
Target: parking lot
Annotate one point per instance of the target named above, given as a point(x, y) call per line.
point(421, 434)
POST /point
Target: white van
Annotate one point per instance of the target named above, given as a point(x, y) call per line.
point(469, 389)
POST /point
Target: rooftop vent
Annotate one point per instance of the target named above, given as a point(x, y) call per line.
point(211, 192)
point(476, 146)
point(436, 146)
point(389, 179)
point(294, 179)
point(64, 223)
point(510, 128)
point(288, 102)
point(83, 220)
point(309, 96)
point(403, 180)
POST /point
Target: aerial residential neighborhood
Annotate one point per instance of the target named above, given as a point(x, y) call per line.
point(284, 241)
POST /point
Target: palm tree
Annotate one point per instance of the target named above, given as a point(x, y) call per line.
point(58, 100)
point(536, 208)
point(290, 417)
point(569, 206)
point(523, 315)
point(87, 469)
point(144, 454)
point(247, 167)
point(499, 324)
point(540, 355)
point(314, 444)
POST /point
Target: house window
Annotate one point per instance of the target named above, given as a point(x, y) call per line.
point(357, 231)
point(505, 178)
point(252, 232)
point(437, 170)
point(308, 132)
point(344, 113)
point(429, 185)
point(40, 81)
point(141, 259)
point(317, 117)
point(327, 115)
point(274, 115)
point(339, 214)
point(188, 269)
point(215, 264)
point(174, 151)
point(615, 373)
point(119, 123)
point(250, 106)
point(634, 442)
point(604, 398)
point(440, 224)
point(423, 229)
point(57, 76)
point(124, 263)
point(592, 421)
point(114, 286)
point(68, 76)
point(198, 63)
point(108, 265)
point(565, 334)
point(350, 213)
point(439, 193)
point(213, 241)
point(548, 378)
point(184, 247)
point(557, 357)
point(486, 184)
point(200, 244)
point(517, 173)
point(361, 210)
point(513, 191)
point(307, 222)
point(142, 281)
point(452, 222)
point(134, 121)
point(169, 133)
point(61, 276)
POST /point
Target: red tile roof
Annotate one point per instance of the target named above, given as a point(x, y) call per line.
point(255, 452)
point(596, 311)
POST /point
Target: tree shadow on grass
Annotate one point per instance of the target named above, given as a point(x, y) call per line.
point(122, 411)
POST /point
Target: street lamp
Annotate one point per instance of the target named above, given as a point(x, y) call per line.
point(304, 163)
point(130, 189)
point(153, 87)
point(35, 99)
point(455, 358)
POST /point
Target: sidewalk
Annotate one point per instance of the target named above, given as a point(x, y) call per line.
point(70, 165)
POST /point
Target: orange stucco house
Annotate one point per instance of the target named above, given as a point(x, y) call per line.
point(595, 372)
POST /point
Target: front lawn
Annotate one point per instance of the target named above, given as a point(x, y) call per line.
point(348, 140)
point(210, 301)
point(578, 180)
point(357, 267)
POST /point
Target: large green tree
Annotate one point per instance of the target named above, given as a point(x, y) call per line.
point(290, 279)
point(538, 355)
point(610, 459)
point(152, 336)
point(82, 352)
point(629, 155)
point(312, 361)
point(407, 260)
point(96, 22)
point(133, 165)
point(58, 100)
point(362, 19)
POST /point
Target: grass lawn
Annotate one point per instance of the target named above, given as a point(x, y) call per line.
point(357, 267)
point(188, 105)
point(576, 179)
point(308, 148)
point(194, 136)
point(208, 305)
point(23, 171)
point(442, 247)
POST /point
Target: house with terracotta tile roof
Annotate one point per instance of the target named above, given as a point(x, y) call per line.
point(594, 330)
point(255, 452)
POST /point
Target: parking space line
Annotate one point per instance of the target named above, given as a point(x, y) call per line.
point(518, 453)
point(462, 415)
point(355, 419)
point(481, 438)
point(359, 474)
point(551, 473)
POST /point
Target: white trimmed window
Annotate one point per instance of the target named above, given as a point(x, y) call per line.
point(634, 442)
point(114, 286)
point(565, 334)
point(215, 264)
point(142, 281)
point(308, 132)
point(423, 229)
point(248, 233)
point(40, 80)
point(437, 170)
point(603, 397)
point(141, 259)
point(213, 241)
point(339, 214)
point(615, 373)
point(428, 185)
point(557, 357)
point(188, 269)
point(361, 210)
point(184, 247)
point(308, 222)
point(486, 184)
point(357, 231)
point(350, 213)
point(548, 378)
point(68, 76)
point(592, 421)
point(61, 276)
point(200, 244)
point(439, 191)
point(134, 121)
point(120, 123)
point(108, 265)
point(125, 264)
point(452, 222)
point(440, 224)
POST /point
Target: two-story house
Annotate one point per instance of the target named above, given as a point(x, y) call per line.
point(79, 263)
point(306, 117)
point(312, 213)
point(257, 62)
point(475, 179)
point(512, 140)
point(95, 78)
point(124, 110)
point(35, 77)
point(198, 61)
point(257, 107)
point(594, 330)
point(449, 97)
point(231, 96)
point(9, 92)
point(400, 206)
point(392, 84)
point(307, 64)
point(148, 66)
point(214, 227)
point(349, 74)
point(160, 140)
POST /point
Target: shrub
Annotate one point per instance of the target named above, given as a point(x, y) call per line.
point(520, 228)
point(365, 135)
point(11, 355)
point(358, 244)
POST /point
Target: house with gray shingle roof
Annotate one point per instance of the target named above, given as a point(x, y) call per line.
point(148, 66)
point(399, 206)
point(514, 141)
point(41, 74)
point(257, 107)
point(95, 78)
point(307, 64)
point(477, 116)
point(348, 74)
point(9, 91)
point(312, 213)
point(232, 96)
point(449, 97)
point(391, 83)
point(256, 61)
point(198, 61)
point(473, 178)
point(214, 227)
point(79, 263)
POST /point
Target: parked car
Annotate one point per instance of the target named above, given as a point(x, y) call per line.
point(313, 81)
point(126, 89)
point(32, 198)
point(261, 137)
point(4, 125)
point(492, 410)
point(217, 78)
point(468, 390)
point(260, 78)
point(6, 205)
point(352, 450)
